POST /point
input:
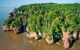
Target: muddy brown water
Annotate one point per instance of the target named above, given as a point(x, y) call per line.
point(12, 41)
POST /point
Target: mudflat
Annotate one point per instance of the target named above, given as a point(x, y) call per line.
point(12, 41)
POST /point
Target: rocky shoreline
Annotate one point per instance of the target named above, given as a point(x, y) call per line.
point(49, 24)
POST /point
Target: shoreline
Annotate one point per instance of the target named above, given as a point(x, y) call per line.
point(56, 23)
point(21, 41)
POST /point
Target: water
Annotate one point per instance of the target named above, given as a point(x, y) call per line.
point(12, 41)
point(4, 13)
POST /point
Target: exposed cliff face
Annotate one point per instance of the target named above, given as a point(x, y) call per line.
point(66, 37)
point(32, 35)
point(49, 40)
point(48, 19)
point(12, 15)
point(6, 28)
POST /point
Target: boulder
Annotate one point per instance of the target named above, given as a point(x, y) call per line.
point(43, 35)
point(32, 35)
point(17, 30)
point(6, 28)
point(75, 35)
point(49, 40)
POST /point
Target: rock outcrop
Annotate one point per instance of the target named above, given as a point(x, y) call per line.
point(17, 30)
point(75, 35)
point(66, 36)
point(6, 28)
point(49, 40)
point(32, 35)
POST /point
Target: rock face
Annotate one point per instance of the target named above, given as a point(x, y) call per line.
point(43, 35)
point(49, 40)
point(12, 15)
point(6, 28)
point(17, 30)
point(11, 28)
point(66, 43)
point(79, 35)
point(56, 38)
point(65, 38)
point(26, 28)
point(75, 35)
point(32, 35)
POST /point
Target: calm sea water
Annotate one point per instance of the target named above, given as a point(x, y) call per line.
point(4, 13)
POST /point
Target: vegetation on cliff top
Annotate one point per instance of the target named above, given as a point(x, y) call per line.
point(51, 18)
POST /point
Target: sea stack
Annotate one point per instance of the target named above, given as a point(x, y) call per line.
point(65, 38)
